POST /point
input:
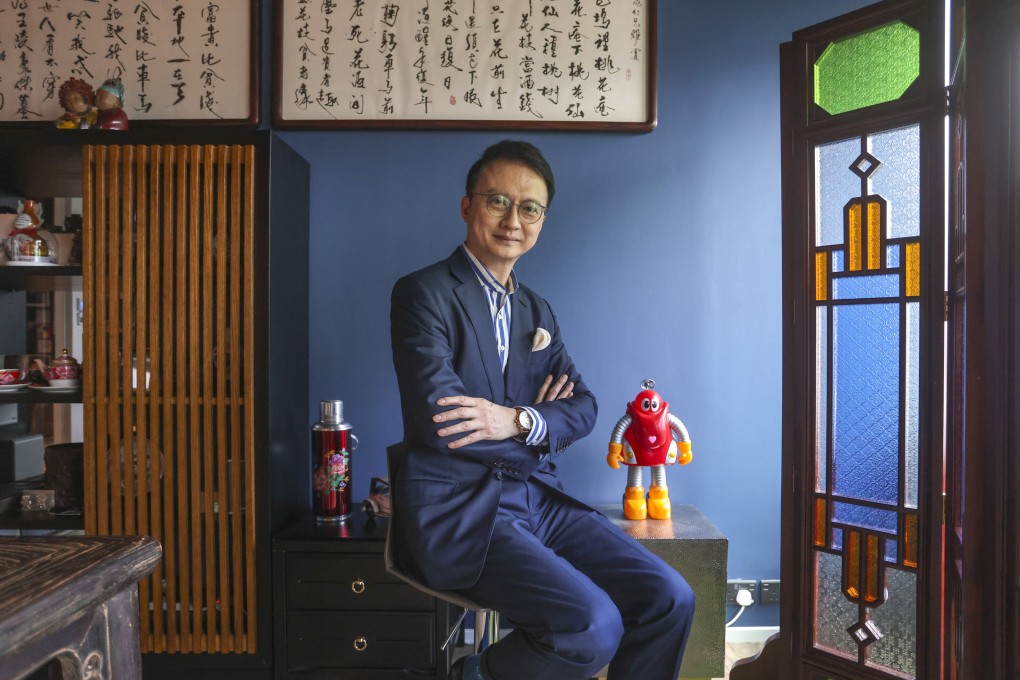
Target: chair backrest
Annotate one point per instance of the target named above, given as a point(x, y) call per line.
point(395, 455)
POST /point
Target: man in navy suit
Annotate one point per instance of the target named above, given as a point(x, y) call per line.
point(481, 509)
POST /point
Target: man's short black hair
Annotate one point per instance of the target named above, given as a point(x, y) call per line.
point(518, 152)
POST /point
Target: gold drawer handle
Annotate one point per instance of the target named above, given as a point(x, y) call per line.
point(360, 644)
point(358, 586)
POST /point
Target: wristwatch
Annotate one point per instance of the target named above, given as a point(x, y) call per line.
point(523, 422)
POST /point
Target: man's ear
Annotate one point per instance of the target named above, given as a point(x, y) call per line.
point(465, 206)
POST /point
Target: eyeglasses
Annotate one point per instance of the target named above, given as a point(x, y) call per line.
point(499, 205)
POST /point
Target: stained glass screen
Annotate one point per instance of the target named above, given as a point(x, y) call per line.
point(867, 332)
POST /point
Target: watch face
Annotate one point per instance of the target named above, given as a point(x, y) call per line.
point(524, 418)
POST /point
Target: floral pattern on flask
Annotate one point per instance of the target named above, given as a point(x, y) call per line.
point(338, 471)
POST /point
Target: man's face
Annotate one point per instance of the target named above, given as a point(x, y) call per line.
point(498, 242)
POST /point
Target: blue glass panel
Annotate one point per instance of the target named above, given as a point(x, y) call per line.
point(890, 551)
point(865, 517)
point(821, 395)
point(912, 406)
point(866, 408)
point(898, 179)
point(892, 256)
point(835, 184)
point(837, 539)
point(837, 260)
point(869, 286)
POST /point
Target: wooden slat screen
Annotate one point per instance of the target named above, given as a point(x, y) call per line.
point(168, 285)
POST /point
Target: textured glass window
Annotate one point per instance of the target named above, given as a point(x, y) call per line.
point(912, 406)
point(899, 177)
point(867, 285)
point(865, 413)
point(834, 188)
point(821, 395)
point(868, 68)
point(859, 288)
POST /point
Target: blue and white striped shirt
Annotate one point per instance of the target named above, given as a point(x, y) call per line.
point(500, 309)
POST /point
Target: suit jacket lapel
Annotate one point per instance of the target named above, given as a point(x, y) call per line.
point(472, 299)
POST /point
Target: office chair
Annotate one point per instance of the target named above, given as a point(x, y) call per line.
point(486, 620)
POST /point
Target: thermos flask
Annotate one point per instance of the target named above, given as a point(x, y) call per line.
point(332, 445)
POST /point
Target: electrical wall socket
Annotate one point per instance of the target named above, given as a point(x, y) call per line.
point(770, 591)
point(733, 586)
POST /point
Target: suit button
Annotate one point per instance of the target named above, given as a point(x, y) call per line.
point(499, 476)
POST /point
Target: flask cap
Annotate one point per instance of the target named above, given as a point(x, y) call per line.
point(331, 411)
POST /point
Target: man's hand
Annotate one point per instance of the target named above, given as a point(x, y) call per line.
point(550, 391)
point(480, 418)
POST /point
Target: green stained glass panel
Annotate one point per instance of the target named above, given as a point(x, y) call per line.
point(868, 68)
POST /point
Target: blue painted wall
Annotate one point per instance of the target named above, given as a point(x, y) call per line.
point(660, 255)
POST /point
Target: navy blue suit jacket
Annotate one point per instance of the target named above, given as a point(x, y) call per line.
point(443, 345)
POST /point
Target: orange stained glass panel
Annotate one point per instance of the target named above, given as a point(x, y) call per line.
point(820, 514)
point(912, 269)
point(872, 558)
point(910, 541)
point(821, 275)
point(854, 253)
point(874, 235)
point(853, 565)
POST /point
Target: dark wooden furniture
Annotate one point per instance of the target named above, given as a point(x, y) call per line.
point(194, 274)
point(72, 602)
point(692, 545)
point(340, 615)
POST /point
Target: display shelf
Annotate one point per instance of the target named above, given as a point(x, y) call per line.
point(30, 396)
point(13, 517)
point(9, 272)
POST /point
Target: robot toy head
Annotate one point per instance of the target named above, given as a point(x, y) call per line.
point(647, 401)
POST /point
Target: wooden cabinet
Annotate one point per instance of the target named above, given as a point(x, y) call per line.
point(341, 616)
point(195, 260)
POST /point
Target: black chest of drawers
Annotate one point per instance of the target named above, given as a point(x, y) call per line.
point(339, 615)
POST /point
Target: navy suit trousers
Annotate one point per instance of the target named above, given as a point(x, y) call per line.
point(579, 593)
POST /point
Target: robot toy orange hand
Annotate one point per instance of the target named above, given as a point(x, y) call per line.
point(615, 456)
point(686, 455)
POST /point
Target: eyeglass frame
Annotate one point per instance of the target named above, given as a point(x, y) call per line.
point(515, 206)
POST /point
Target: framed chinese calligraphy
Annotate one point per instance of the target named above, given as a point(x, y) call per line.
point(545, 64)
point(185, 62)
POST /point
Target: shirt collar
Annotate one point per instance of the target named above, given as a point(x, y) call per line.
point(486, 278)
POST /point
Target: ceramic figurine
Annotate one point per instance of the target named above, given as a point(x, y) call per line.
point(644, 437)
point(109, 101)
point(27, 243)
point(76, 98)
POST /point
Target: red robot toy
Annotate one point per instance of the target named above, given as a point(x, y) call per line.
point(644, 437)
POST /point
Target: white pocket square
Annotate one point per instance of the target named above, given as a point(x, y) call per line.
point(542, 340)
